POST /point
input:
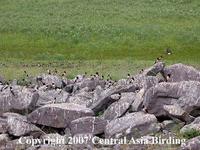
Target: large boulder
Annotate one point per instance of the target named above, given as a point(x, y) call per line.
point(132, 125)
point(18, 125)
point(195, 125)
point(58, 115)
point(52, 96)
point(192, 144)
point(185, 95)
point(83, 97)
point(181, 72)
point(49, 80)
point(154, 70)
point(175, 111)
point(119, 108)
point(17, 99)
point(4, 138)
point(90, 83)
point(93, 125)
point(17, 144)
point(104, 98)
point(145, 83)
point(137, 104)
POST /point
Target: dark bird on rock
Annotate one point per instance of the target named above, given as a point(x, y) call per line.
point(12, 92)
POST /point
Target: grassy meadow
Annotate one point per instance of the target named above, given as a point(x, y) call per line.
point(110, 36)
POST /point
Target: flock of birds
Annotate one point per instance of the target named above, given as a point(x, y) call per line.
point(79, 78)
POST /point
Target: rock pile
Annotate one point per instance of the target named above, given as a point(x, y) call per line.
point(54, 108)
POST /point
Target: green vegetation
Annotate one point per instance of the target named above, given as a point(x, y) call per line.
point(94, 30)
point(189, 134)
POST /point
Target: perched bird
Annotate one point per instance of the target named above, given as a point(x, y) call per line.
point(11, 90)
point(97, 74)
point(141, 71)
point(53, 86)
point(158, 59)
point(49, 72)
point(168, 77)
point(168, 51)
point(109, 77)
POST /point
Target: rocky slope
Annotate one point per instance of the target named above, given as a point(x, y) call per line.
point(92, 109)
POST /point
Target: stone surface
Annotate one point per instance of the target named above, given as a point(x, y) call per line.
point(185, 95)
point(104, 98)
point(19, 126)
point(49, 80)
point(52, 96)
point(181, 72)
point(134, 125)
point(3, 125)
point(90, 83)
point(192, 144)
point(194, 125)
point(93, 125)
point(119, 108)
point(83, 98)
point(154, 70)
point(58, 115)
point(18, 99)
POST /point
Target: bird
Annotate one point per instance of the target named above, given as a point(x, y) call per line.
point(168, 51)
point(158, 59)
point(49, 72)
point(141, 71)
point(12, 92)
point(168, 77)
point(97, 74)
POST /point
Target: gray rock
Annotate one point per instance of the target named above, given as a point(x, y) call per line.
point(115, 97)
point(86, 144)
point(49, 80)
point(19, 126)
point(82, 98)
point(4, 138)
point(51, 138)
point(181, 72)
point(18, 99)
point(93, 125)
point(194, 125)
point(68, 132)
point(90, 83)
point(139, 98)
point(154, 70)
point(184, 94)
point(170, 125)
point(47, 147)
point(58, 115)
point(192, 144)
point(18, 144)
point(117, 109)
point(178, 112)
point(52, 96)
point(104, 99)
point(3, 125)
point(134, 125)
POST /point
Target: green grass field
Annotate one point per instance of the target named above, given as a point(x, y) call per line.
point(129, 33)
